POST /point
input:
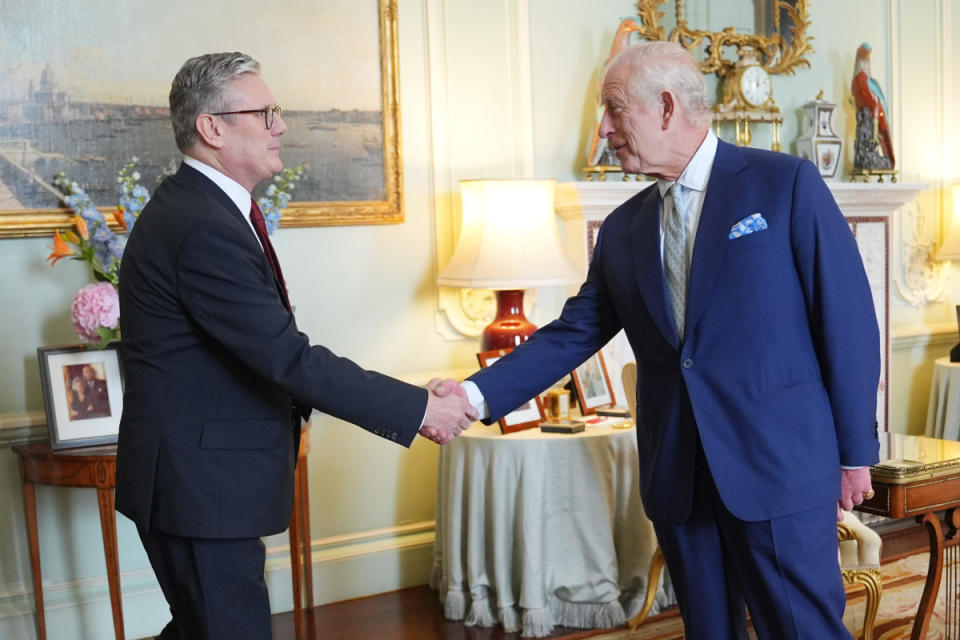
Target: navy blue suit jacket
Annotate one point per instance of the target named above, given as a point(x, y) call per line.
point(217, 374)
point(779, 368)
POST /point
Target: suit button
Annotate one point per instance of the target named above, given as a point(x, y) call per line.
point(687, 363)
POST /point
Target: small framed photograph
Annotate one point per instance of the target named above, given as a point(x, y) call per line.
point(593, 385)
point(526, 417)
point(82, 394)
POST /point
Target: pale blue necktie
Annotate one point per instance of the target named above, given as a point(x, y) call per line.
point(675, 252)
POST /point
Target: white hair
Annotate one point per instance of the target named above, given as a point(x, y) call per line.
point(660, 66)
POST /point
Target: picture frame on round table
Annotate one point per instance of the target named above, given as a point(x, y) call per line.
point(955, 352)
point(525, 417)
point(592, 384)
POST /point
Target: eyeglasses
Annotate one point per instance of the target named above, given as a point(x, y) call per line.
point(267, 112)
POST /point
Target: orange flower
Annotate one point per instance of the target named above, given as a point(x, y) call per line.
point(60, 249)
point(81, 227)
point(118, 217)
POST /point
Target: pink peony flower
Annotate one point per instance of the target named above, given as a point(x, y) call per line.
point(95, 305)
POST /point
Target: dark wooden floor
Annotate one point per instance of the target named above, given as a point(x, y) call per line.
point(410, 614)
point(416, 614)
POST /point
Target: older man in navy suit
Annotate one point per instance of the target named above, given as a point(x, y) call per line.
point(745, 301)
point(217, 374)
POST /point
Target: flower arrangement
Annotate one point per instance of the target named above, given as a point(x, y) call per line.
point(95, 313)
point(277, 196)
point(95, 310)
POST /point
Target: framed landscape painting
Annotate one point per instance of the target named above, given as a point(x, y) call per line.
point(84, 86)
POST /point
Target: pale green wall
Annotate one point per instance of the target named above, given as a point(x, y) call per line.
point(471, 107)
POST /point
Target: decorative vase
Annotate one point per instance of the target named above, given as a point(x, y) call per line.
point(818, 143)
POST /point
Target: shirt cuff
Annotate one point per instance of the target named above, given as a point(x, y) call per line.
point(475, 398)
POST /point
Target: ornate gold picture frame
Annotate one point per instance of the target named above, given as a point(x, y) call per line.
point(357, 141)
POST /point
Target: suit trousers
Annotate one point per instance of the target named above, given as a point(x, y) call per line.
point(784, 570)
point(214, 587)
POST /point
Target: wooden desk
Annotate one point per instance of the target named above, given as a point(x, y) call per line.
point(96, 467)
point(92, 468)
point(929, 481)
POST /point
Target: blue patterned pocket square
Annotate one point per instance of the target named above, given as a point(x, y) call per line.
point(748, 225)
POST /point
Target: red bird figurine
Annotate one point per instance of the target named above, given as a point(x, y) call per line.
point(867, 94)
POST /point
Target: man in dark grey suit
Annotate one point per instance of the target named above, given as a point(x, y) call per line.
point(217, 374)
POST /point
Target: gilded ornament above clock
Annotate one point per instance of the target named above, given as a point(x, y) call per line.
point(776, 53)
point(780, 47)
point(747, 89)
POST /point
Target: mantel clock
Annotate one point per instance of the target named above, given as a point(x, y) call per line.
point(748, 98)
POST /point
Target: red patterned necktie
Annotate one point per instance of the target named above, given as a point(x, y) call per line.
point(260, 226)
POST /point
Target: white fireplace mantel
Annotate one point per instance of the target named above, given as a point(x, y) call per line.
point(868, 207)
point(592, 201)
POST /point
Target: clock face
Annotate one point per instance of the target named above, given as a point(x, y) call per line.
point(755, 85)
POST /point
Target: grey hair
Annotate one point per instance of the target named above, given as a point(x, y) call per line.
point(660, 66)
point(200, 87)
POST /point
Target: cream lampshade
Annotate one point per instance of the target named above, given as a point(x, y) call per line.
point(508, 242)
point(949, 249)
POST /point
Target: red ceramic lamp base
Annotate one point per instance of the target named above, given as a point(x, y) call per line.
point(510, 327)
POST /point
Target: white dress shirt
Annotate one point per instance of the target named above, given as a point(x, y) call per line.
point(237, 193)
point(695, 177)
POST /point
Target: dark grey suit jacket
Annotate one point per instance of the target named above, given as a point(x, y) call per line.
point(217, 374)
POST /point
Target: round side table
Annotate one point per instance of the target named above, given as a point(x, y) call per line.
point(943, 412)
point(91, 468)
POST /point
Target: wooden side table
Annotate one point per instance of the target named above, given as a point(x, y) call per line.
point(301, 565)
point(93, 468)
point(917, 478)
point(96, 467)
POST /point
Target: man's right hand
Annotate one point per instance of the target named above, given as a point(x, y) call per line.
point(448, 411)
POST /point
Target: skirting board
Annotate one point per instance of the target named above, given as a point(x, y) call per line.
point(344, 567)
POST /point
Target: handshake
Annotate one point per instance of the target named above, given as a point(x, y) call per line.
point(448, 411)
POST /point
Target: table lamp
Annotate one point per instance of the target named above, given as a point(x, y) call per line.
point(950, 250)
point(508, 242)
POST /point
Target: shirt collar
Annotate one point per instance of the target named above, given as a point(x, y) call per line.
point(234, 190)
point(696, 174)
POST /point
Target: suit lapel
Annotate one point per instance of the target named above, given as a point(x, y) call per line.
point(721, 209)
point(645, 242)
point(197, 180)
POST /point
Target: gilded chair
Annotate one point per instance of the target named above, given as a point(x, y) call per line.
point(859, 545)
point(860, 563)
